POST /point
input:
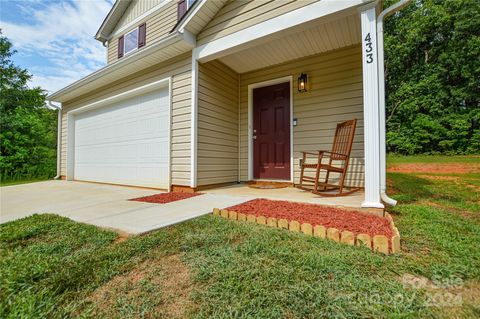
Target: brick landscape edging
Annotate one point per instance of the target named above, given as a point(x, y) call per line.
point(379, 243)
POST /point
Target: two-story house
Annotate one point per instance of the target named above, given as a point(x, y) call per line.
point(175, 105)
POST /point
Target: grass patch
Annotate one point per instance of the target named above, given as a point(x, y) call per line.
point(400, 159)
point(12, 183)
point(457, 192)
point(215, 268)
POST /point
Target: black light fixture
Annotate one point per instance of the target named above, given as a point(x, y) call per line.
point(303, 82)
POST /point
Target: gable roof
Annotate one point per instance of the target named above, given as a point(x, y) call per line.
point(111, 20)
point(180, 40)
point(194, 19)
point(169, 47)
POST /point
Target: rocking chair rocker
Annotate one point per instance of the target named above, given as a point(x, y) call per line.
point(338, 160)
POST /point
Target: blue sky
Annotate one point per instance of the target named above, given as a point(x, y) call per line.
point(54, 38)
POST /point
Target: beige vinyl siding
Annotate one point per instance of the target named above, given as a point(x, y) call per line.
point(241, 14)
point(217, 124)
point(158, 26)
point(112, 51)
point(161, 23)
point(335, 94)
point(179, 69)
point(136, 9)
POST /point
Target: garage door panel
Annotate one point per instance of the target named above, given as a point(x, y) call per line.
point(125, 143)
point(124, 175)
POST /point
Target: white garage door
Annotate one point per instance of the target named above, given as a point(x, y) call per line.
point(125, 142)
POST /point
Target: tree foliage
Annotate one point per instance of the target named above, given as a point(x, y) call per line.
point(432, 50)
point(27, 127)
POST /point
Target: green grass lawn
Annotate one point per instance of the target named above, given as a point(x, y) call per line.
point(399, 159)
point(28, 181)
point(215, 268)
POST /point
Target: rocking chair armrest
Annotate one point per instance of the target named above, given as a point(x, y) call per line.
point(333, 153)
point(310, 153)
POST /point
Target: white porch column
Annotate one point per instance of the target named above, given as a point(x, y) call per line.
point(370, 108)
point(194, 122)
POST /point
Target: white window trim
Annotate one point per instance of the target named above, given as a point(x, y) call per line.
point(284, 79)
point(125, 53)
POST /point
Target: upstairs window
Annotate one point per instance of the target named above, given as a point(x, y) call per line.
point(183, 6)
point(132, 40)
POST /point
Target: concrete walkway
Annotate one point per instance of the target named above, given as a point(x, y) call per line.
point(105, 205)
point(291, 194)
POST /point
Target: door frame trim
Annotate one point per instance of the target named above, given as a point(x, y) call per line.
point(136, 91)
point(251, 87)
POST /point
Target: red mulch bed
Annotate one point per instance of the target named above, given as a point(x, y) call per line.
point(166, 197)
point(342, 219)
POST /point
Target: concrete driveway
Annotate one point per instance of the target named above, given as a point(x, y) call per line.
point(104, 205)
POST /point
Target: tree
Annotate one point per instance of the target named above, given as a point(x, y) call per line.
point(432, 50)
point(27, 127)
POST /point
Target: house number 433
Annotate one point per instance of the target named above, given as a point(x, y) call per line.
point(368, 48)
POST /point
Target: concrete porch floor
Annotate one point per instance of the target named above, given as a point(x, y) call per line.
point(289, 193)
point(108, 206)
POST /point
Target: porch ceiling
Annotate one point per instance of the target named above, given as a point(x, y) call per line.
point(319, 38)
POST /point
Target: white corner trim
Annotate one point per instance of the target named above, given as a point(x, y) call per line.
point(370, 109)
point(130, 93)
point(70, 146)
point(170, 111)
point(194, 123)
point(251, 87)
point(239, 128)
point(292, 159)
point(138, 20)
point(213, 50)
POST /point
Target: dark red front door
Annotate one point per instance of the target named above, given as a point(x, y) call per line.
point(271, 132)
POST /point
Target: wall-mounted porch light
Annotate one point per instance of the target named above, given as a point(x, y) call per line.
point(303, 82)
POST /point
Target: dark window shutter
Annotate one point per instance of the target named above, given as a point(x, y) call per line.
point(182, 9)
point(142, 34)
point(120, 47)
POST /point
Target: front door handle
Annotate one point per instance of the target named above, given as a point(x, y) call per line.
point(254, 137)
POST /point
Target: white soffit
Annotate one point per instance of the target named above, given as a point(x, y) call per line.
point(319, 38)
point(201, 15)
point(293, 21)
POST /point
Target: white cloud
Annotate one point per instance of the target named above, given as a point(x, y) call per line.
point(59, 38)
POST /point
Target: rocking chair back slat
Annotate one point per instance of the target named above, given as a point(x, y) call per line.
point(343, 140)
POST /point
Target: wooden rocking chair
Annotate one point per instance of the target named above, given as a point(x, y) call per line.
point(341, 148)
